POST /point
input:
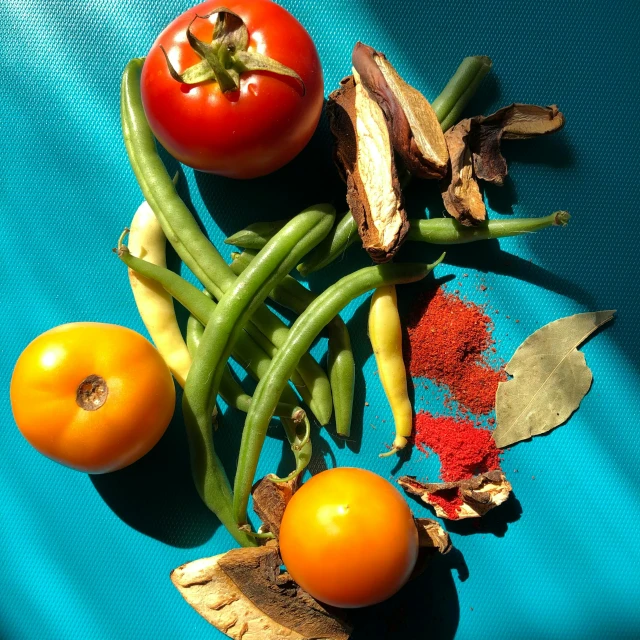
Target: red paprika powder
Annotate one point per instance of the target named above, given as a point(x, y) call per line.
point(464, 449)
point(449, 501)
point(448, 338)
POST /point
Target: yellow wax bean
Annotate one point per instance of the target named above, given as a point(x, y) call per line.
point(385, 333)
point(147, 241)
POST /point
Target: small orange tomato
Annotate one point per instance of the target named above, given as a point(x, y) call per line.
point(95, 397)
point(348, 538)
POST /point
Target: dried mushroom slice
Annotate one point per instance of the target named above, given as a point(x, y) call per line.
point(515, 122)
point(365, 158)
point(432, 536)
point(474, 153)
point(415, 131)
point(460, 190)
point(270, 500)
point(243, 594)
point(464, 499)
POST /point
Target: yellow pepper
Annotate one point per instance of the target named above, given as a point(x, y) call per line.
point(147, 241)
point(385, 333)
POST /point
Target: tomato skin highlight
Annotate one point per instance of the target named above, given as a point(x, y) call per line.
point(348, 538)
point(241, 134)
point(135, 414)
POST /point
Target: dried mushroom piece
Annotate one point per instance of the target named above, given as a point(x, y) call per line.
point(270, 500)
point(432, 536)
point(416, 134)
point(460, 191)
point(515, 122)
point(243, 594)
point(364, 156)
point(474, 153)
point(463, 499)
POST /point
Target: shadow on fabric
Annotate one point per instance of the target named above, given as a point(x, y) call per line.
point(426, 608)
point(309, 179)
point(156, 495)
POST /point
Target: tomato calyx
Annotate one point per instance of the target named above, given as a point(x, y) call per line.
point(227, 56)
point(92, 393)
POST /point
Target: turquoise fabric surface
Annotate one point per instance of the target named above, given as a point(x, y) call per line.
point(89, 557)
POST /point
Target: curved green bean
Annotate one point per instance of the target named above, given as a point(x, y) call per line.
point(291, 417)
point(341, 364)
point(185, 235)
point(235, 308)
point(303, 332)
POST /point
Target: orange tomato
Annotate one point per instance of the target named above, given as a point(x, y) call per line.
point(95, 397)
point(348, 538)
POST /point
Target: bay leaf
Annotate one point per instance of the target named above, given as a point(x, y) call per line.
point(550, 378)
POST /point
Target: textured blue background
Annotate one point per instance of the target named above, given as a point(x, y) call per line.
point(89, 558)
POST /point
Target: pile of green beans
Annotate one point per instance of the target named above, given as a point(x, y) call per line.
point(246, 352)
point(341, 364)
point(235, 308)
point(188, 240)
point(233, 394)
point(303, 332)
point(231, 390)
point(442, 231)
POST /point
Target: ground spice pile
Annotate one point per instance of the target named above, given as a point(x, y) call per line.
point(464, 449)
point(448, 341)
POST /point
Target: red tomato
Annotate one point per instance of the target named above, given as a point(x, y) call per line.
point(348, 538)
point(244, 133)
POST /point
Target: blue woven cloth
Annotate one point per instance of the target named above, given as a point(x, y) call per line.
point(89, 558)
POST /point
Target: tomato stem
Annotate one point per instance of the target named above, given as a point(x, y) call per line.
point(226, 56)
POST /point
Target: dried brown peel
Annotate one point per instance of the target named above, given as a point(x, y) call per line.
point(460, 190)
point(270, 500)
point(243, 594)
point(515, 122)
point(432, 536)
point(479, 494)
point(365, 158)
point(474, 153)
point(416, 134)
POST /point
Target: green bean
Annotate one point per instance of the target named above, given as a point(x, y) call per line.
point(343, 235)
point(341, 364)
point(256, 235)
point(450, 231)
point(452, 100)
point(235, 308)
point(185, 235)
point(440, 231)
point(303, 332)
